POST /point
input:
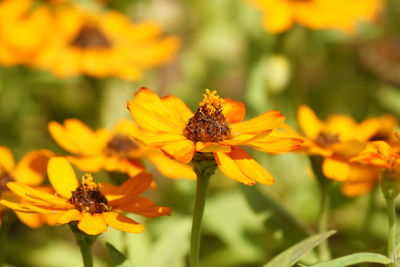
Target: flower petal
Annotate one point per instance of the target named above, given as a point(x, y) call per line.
point(211, 147)
point(92, 224)
point(177, 106)
point(262, 123)
point(170, 167)
point(362, 179)
point(144, 207)
point(62, 176)
point(309, 122)
point(32, 220)
point(233, 111)
point(275, 144)
point(122, 223)
point(6, 159)
point(69, 216)
point(336, 169)
point(229, 167)
point(182, 151)
point(31, 169)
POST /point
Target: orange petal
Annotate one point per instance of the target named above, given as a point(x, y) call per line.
point(143, 207)
point(362, 179)
point(182, 151)
point(367, 129)
point(92, 224)
point(69, 216)
point(32, 220)
point(177, 106)
point(309, 122)
point(336, 169)
point(62, 176)
point(14, 206)
point(6, 159)
point(31, 169)
point(344, 126)
point(275, 144)
point(233, 111)
point(262, 123)
point(279, 17)
point(123, 223)
point(161, 139)
point(151, 114)
point(229, 167)
point(211, 147)
point(170, 167)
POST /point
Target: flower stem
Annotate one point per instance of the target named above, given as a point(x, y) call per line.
point(204, 167)
point(85, 243)
point(324, 252)
point(5, 227)
point(391, 210)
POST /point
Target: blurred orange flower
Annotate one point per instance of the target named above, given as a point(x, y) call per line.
point(338, 140)
point(103, 44)
point(93, 206)
point(112, 150)
point(216, 128)
point(280, 15)
point(30, 170)
point(24, 29)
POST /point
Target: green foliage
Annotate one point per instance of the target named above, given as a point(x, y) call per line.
point(355, 258)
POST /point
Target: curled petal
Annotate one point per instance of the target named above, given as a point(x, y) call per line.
point(182, 151)
point(122, 223)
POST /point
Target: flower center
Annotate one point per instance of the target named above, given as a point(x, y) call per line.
point(208, 124)
point(325, 139)
point(5, 177)
point(90, 37)
point(88, 198)
point(121, 145)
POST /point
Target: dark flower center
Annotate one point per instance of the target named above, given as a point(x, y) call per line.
point(90, 37)
point(325, 139)
point(88, 198)
point(5, 177)
point(121, 145)
point(208, 124)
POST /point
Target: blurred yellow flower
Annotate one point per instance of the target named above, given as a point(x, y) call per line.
point(344, 15)
point(93, 206)
point(30, 170)
point(216, 128)
point(103, 44)
point(338, 140)
point(112, 150)
point(24, 29)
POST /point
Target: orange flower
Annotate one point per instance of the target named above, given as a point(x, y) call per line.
point(215, 128)
point(93, 206)
point(103, 44)
point(112, 150)
point(280, 15)
point(30, 170)
point(338, 140)
point(23, 30)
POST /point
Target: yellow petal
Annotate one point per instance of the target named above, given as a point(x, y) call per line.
point(179, 108)
point(69, 216)
point(92, 224)
point(262, 123)
point(32, 220)
point(31, 169)
point(6, 159)
point(122, 223)
point(336, 169)
point(59, 134)
point(182, 151)
point(279, 17)
point(309, 122)
point(211, 147)
point(62, 176)
point(274, 144)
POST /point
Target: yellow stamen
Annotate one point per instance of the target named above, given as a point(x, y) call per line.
point(212, 101)
point(87, 182)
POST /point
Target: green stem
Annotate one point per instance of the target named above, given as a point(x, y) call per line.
point(324, 252)
point(5, 227)
point(204, 167)
point(85, 243)
point(391, 210)
point(366, 228)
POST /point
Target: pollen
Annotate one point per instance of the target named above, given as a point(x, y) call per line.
point(208, 124)
point(120, 145)
point(88, 198)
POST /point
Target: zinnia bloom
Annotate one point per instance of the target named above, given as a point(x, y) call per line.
point(112, 150)
point(103, 44)
point(93, 206)
point(23, 30)
point(30, 170)
point(337, 140)
point(216, 128)
point(280, 15)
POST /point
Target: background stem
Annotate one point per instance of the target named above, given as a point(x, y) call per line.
point(391, 210)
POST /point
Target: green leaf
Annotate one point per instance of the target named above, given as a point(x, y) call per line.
point(280, 219)
point(117, 257)
point(290, 256)
point(355, 259)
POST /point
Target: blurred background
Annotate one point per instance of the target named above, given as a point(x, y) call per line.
point(221, 45)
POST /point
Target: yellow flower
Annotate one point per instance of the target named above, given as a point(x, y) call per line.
point(338, 140)
point(30, 170)
point(112, 150)
point(280, 15)
point(216, 128)
point(103, 44)
point(93, 206)
point(23, 30)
